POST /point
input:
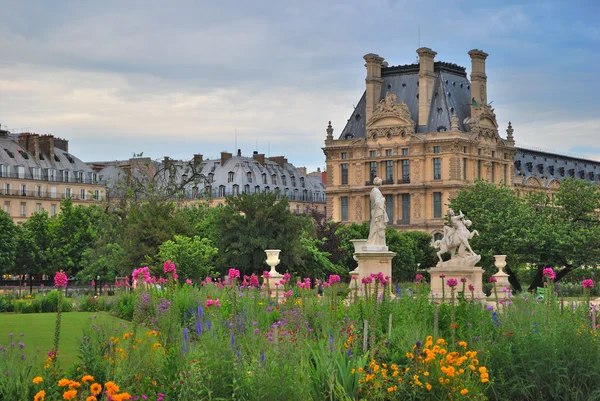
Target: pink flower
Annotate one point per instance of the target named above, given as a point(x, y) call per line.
point(367, 280)
point(208, 280)
point(169, 266)
point(418, 278)
point(162, 280)
point(93, 283)
point(188, 281)
point(589, 283)
point(452, 282)
point(60, 279)
point(266, 274)
point(233, 274)
point(463, 280)
point(442, 276)
point(175, 276)
point(549, 273)
point(471, 287)
point(218, 303)
point(286, 277)
point(493, 279)
point(209, 303)
point(334, 278)
point(254, 280)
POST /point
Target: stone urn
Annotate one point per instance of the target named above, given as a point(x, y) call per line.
point(273, 260)
point(500, 262)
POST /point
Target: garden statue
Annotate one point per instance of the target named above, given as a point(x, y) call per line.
point(456, 239)
point(379, 217)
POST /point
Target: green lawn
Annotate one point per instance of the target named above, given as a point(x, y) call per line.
point(39, 332)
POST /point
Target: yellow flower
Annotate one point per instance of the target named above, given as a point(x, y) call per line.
point(391, 389)
point(464, 391)
point(121, 397)
point(63, 382)
point(40, 396)
point(37, 380)
point(482, 369)
point(96, 388)
point(472, 367)
point(441, 341)
point(353, 371)
point(425, 373)
point(87, 378)
point(69, 395)
point(74, 385)
point(91, 398)
point(428, 386)
point(156, 345)
point(462, 344)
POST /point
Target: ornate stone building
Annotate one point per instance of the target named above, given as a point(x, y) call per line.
point(211, 180)
point(428, 131)
point(37, 172)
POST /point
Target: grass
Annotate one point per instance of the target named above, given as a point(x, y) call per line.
point(38, 330)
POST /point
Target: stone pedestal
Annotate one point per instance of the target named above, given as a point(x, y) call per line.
point(502, 282)
point(272, 287)
point(473, 274)
point(373, 262)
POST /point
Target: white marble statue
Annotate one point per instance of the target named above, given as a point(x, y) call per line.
point(379, 216)
point(456, 238)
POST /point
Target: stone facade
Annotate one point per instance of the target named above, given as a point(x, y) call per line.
point(427, 131)
point(37, 172)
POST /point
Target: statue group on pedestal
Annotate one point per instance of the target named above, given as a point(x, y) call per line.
point(456, 237)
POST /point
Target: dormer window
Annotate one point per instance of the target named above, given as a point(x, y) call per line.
point(236, 190)
point(264, 178)
point(249, 176)
point(246, 189)
point(9, 153)
point(293, 181)
point(302, 182)
point(221, 191)
point(65, 175)
point(230, 176)
point(283, 180)
point(56, 159)
point(70, 158)
point(257, 189)
point(211, 177)
point(274, 179)
point(24, 155)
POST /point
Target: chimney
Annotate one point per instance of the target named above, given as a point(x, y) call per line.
point(478, 77)
point(302, 170)
point(239, 153)
point(166, 162)
point(259, 157)
point(47, 146)
point(31, 143)
point(224, 157)
point(510, 139)
point(197, 159)
point(280, 160)
point(373, 82)
point(61, 144)
point(426, 82)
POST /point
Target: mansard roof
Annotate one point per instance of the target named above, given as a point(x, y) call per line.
point(451, 93)
point(549, 166)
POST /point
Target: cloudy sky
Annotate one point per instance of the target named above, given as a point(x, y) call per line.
point(181, 77)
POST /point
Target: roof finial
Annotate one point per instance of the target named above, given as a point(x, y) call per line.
point(329, 131)
point(454, 122)
point(509, 134)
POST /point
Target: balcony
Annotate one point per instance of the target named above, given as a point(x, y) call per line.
point(45, 195)
point(44, 177)
point(404, 180)
point(389, 181)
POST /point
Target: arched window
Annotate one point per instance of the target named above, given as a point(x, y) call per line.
point(246, 189)
point(249, 176)
point(264, 178)
point(283, 180)
point(221, 191)
point(302, 182)
point(230, 176)
point(236, 190)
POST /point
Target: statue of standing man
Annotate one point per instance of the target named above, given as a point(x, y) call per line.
point(379, 216)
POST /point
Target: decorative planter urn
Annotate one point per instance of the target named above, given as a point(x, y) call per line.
point(500, 262)
point(273, 260)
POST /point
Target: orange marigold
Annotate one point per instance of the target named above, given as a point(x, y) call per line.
point(69, 395)
point(40, 396)
point(38, 380)
point(95, 389)
point(112, 388)
point(87, 378)
point(63, 382)
point(91, 398)
point(464, 391)
point(74, 385)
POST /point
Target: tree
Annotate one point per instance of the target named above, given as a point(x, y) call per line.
point(33, 242)
point(194, 257)
point(250, 224)
point(71, 233)
point(8, 243)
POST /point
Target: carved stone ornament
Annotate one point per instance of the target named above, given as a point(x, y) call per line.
point(388, 107)
point(416, 170)
point(417, 204)
point(454, 122)
point(359, 168)
point(358, 209)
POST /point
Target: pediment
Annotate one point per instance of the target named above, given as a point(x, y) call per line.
point(389, 113)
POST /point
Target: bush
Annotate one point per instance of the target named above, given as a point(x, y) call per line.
point(89, 304)
point(126, 306)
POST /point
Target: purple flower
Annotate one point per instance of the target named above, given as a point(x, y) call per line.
point(463, 280)
point(22, 356)
point(21, 345)
point(11, 335)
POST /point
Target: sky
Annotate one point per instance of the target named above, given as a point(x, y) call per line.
point(175, 78)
